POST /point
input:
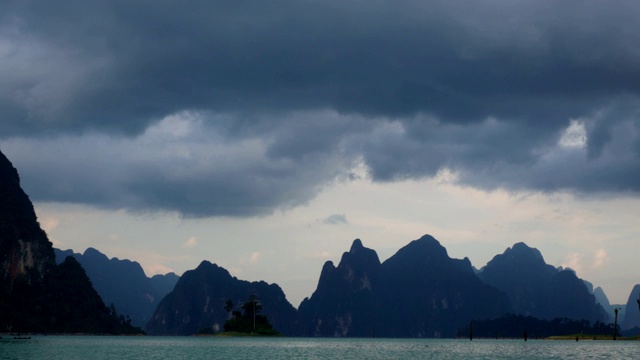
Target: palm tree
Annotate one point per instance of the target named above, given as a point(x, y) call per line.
point(251, 308)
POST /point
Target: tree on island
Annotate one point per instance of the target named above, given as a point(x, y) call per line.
point(250, 321)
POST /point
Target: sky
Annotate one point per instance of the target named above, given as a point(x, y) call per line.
point(265, 136)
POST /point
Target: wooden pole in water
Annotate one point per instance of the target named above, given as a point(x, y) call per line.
point(615, 325)
point(471, 330)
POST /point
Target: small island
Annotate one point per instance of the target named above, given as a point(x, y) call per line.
point(249, 322)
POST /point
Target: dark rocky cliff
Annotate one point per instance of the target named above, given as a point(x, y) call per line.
point(35, 294)
point(346, 301)
point(23, 244)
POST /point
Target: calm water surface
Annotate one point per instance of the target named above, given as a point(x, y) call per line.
point(106, 347)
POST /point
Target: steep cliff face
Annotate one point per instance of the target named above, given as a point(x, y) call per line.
point(418, 292)
point(198, 302)
point(345, 302)
point(538, 289)
point(23, 244)
point(35, 294)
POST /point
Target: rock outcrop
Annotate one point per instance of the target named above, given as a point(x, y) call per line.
point(23, 244)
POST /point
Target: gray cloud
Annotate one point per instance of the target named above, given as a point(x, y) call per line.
point(177, 165)
point(119, 66)
point(289, 95)
point(335, 219)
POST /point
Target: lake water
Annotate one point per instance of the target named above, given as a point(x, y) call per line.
point(176, 348)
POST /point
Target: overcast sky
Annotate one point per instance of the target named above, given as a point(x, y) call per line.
point(266, 136)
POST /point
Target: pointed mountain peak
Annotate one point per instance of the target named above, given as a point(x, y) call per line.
point(357, 245)
point(426, 251)
point(206, 267)
point(521, 249)
point(427, 237)
point(7, 170)
point(523, 258)
point(427, 244)
point(328, 266)
point(205, 264)
point(358, 254)
point(93, 253)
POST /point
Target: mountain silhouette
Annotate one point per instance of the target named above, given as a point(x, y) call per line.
point(123, 283)
point(199, 297)
point(418, 292)
point(538, 289)
point(632, 313)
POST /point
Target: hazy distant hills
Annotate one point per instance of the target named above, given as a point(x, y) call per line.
point(537, 289)
point(602, 299)
point(418, 292)
point(198, 302)
point(123, 283)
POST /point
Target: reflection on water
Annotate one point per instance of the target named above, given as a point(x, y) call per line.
point(107, 347)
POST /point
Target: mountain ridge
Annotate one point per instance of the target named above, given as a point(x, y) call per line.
point(538, 289)
point(362, 297)
point(123, 283)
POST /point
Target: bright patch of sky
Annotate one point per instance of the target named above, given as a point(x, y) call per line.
point(574, 136)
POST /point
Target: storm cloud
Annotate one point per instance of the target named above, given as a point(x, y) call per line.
point(227, 108)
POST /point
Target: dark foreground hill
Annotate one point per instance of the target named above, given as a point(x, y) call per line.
point(36, 295)
point(123, 283)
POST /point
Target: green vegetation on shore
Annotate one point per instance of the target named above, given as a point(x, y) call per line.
point(247, 323)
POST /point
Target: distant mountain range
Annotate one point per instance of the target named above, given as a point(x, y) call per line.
point(123, 283)
point(418, 292)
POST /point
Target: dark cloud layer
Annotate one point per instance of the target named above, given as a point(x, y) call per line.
point(486, 89)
